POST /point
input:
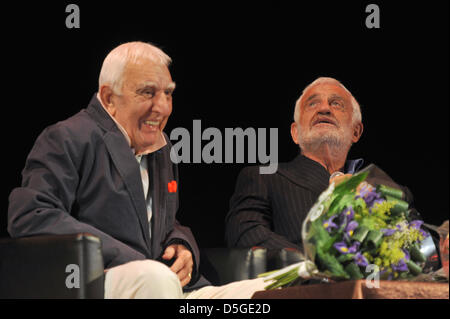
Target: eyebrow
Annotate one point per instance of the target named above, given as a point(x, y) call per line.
point(335, 96)
point(311, 97)
point(170, 86)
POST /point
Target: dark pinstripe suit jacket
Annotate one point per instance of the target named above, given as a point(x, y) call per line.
point(268, 210)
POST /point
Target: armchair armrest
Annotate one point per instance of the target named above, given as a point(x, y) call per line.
point(224, 265)
point(53, 266)
point(280, 258)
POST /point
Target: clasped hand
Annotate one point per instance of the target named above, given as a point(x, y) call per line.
point(183, 264)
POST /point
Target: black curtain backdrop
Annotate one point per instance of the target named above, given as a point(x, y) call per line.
point(244, 65)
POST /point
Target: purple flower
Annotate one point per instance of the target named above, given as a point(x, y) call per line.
point(388, 231)
point(351, 227)
point(363, 191)
point(417, 224)
point(328, 224)
point(407, 257)
point(344, 249)
point(353, 248)
point(400, 266)
point(341, 247)
point(344, 218)
point(349, 213)
point(360, 260)
point(424, 233)
point(377, 201)
point(370, 196)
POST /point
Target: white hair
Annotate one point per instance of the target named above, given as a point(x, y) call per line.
point(114, 64)
point(356, 116)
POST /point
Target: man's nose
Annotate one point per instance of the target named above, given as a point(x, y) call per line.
point(161, 101)
point(324, 108)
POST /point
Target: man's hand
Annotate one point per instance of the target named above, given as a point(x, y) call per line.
point(183, 264)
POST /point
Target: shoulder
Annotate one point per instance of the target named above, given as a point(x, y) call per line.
point(80, 124)
point(79, 128)
point(258, 174)
point(250, 172)
point(73, 137)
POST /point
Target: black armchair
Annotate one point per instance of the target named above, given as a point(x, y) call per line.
point(71, 266)
point(56, 266)
point(224, 265)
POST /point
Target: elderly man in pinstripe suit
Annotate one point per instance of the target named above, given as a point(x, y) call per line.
point(268, 210)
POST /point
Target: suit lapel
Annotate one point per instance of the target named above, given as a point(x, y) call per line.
point(125, 162)
point(305, 173)
point(159, 176)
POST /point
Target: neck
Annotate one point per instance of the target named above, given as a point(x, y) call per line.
point(332, 158)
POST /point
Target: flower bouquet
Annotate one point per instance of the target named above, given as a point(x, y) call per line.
point(356, 230)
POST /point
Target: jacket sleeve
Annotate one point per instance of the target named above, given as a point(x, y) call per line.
point(249, 220)
point(183, 235)
point(43, 203)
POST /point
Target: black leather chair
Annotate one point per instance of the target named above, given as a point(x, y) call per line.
point(224, 265)
point(62, 266)
point(71, 266)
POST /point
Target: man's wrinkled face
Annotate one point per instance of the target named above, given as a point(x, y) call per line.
point(145, 103)
point(326, 116)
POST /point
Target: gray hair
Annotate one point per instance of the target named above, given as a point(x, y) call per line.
point(115, 62)
point(357, 117)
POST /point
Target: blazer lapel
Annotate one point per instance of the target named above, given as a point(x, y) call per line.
point(306, 173)
point(159, 175)
point(125, 162)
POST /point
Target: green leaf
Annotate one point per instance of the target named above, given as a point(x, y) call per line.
point(350, 184)
point(330, 263)
point(329, 243)
point(321, 235)
point(340, 203)
point(345, 257)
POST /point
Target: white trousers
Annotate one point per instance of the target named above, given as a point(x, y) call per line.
point(149, 279)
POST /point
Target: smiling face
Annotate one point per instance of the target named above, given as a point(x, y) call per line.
point(325, 116)
point(145, 103)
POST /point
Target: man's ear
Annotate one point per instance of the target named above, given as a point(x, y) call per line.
point(294, 132)
point(357, 132)
point(106, 97)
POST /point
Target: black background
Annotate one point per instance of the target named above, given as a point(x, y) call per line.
point(244, 65)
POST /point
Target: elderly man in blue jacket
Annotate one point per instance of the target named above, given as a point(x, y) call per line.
point(107, 171)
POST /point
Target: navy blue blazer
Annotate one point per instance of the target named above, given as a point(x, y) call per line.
point(82, 176)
